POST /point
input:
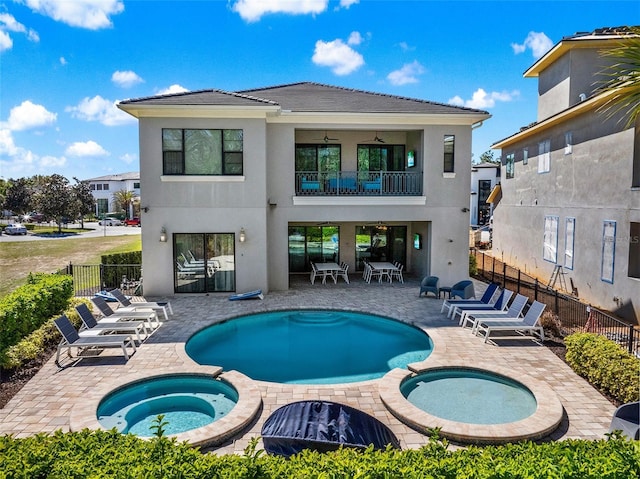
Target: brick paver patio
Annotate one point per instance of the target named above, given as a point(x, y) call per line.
point(45, 403)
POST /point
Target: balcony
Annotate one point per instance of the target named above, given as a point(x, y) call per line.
point(358, 183)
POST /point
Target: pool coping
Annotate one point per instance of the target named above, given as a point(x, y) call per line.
point(249, 404)
point(547, 417)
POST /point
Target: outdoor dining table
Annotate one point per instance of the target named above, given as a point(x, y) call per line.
point(385, 268)
point(331, 268)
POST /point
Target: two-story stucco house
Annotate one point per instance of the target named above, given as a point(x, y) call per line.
point(243, 189)
point(104, 187)
point(571, 180)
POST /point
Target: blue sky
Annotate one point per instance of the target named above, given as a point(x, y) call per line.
point(65, 63)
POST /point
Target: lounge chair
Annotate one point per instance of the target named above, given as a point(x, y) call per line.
point(148, 315)
point(71, 339)
point(428, 285)
point(129, 306)
point(487, 296)
point(106, 325)
point(500, 304)
point(514, 312)
point(627, 420)
point(529, 324)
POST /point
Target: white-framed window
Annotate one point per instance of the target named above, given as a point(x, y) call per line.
point(634, 250)
point(568, 143)
point(569, 242)
point(550, 246)
point(449, 153)
point(608, 251)
point(544, 156)
point(525, 156)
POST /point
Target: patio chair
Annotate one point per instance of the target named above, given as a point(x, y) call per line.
point(514, 312)
point(71, 339)
point(428, 285)
point(343, 272)
point(128, 305)
point(529, 324)
point(397, 273)
point(500, 304)
point(626, 419)
point(149, 315)
point(485, 299)
point(92, 327)
point(463, 289)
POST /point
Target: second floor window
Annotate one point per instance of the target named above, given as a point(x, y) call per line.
point(202, 152)
point(449, 150)
point(320, 158)
point(381, 158)
point(544, 156)
point(510, 165)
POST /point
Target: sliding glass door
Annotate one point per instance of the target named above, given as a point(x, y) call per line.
point(204, 262)
point(319, 244)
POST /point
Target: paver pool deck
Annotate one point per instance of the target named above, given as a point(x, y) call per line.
point(46, 402)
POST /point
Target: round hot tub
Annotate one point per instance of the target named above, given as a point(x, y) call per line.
point(472, 405)
point(186, 401)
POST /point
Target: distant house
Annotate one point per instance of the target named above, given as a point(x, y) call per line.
point(484, 178)
point(103, 188)
point(571, 180)
point(244, 189)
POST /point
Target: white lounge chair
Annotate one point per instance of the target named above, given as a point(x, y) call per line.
point(129, 306)
point(148, 315)
point(500, 304)
point(71, 339)
point(487, 296)
point(91, 326)
point(528, 324)
point(514, 312)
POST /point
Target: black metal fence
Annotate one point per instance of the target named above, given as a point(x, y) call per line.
point(88, 279)
point(573, 314)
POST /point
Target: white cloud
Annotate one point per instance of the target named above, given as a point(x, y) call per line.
point(348, 3)
point(253, 10)
point(8, 23)
point(126, 79)
point(355, 38)
point(23, 162)
point(28, 115)
point(63, 61)
point(404, 46)
point(100, 109)
point(175, 88)
point(407, 74)
point(89, 14)
point(481, 99)
point(338, 56)
point(53, 161)
point(129, 158)
point(86, 148)
point(537, 42)
point(7, 146)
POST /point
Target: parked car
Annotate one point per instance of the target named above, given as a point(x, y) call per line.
point(34, 217)
point(132, 221)
point(110, 222)
point(15, 229)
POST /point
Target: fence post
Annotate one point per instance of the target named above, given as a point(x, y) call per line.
point(630, 340)
point(556, 305)
point(504, 275)
point(518, 285)
point(493, 270)
point(102, 284)
point(535, 290)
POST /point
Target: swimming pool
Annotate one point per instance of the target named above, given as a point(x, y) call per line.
point(187, 402)
point(310, 346)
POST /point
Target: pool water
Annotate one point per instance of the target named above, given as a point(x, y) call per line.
point(310, 347)
point(186, 401)
point(470, 396)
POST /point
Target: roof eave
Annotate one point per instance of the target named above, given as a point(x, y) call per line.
point(138, 110)
point(399, 118)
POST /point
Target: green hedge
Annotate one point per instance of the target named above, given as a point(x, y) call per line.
point(27, 308)
point(108, 454)
point(36, 343)
point(605, 364)
point(113, 275)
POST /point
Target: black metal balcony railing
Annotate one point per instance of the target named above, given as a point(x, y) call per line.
point(358, 183)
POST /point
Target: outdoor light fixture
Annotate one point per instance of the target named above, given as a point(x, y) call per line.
point(243, 236)
point(163, 235)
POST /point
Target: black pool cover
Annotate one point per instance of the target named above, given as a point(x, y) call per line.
point(322, 426)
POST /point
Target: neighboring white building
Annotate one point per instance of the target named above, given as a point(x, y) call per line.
point(484, 178)
point(243, 189)
point(571, 180)
point(103, 188)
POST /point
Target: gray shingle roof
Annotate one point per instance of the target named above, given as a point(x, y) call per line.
point(132, 175)
point(308, 97)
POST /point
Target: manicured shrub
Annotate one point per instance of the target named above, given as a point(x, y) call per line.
point(604, 364)
point(113, 274)
point(108, 454)
point(31, 305)
point(473, 265)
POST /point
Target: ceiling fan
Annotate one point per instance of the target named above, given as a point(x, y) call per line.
point(376, 139)
point(326, 138)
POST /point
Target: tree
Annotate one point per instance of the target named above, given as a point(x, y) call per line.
point(624, 77)
point(122, 199)
point(84, 201)
point(55, 198)
point(487, 157)
point(18, 196)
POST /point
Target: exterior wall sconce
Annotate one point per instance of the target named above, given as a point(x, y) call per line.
point(465, 210)
point(163, 235)
point(243, 235)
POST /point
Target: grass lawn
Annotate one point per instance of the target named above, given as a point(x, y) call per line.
point(18, 259)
